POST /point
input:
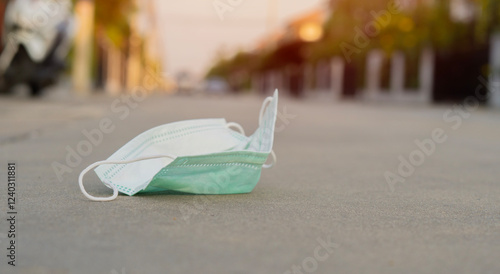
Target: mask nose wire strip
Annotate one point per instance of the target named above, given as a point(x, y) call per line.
point(115, 190)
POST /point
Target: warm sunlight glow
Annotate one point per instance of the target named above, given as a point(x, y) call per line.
point(311, 32)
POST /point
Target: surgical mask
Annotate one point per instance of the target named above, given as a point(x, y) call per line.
point(205, 156)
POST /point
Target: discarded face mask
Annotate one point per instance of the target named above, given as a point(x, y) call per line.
point(197, 156)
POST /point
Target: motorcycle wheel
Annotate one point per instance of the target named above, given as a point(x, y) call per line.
point(35, 89)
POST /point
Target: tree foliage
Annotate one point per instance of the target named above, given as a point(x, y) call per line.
point(112, 17)
point(409, 29)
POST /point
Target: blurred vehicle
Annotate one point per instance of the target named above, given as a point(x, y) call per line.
point(186, 82)
point(216, 85)
point(36, 38)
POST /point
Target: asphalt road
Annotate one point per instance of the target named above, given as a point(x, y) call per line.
point(326, 207)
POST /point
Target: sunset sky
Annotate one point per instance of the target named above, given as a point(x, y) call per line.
point(193, 31)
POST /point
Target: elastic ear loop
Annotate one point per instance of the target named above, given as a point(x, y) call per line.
point(112, 186)
point(237, 126)
point(273, 155)
point(263, 108)
point(261, 116)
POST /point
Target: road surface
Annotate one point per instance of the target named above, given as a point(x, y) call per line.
point(326, 207)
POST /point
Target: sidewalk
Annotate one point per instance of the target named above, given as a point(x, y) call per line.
point(325, 208)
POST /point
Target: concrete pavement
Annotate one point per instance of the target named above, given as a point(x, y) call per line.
point(325, 208)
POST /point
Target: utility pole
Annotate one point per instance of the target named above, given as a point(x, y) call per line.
point(82, 62)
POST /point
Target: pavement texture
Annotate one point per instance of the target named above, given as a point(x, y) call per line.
point(326, 207)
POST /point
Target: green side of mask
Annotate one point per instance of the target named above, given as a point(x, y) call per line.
point(218, 173)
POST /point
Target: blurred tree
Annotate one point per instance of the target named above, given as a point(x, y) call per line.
point(488, 19)
point(411, 28)
point(345, 16)
point(112, 17)
point(221, 68)
point(236, 70)
point(444, 33)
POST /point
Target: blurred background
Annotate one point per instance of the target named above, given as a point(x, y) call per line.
point(422, 51)
point(387, 133)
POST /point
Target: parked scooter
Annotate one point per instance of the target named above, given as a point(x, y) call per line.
point(36, 39)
